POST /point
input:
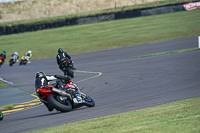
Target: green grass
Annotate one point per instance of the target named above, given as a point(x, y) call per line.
point(163, 53)
point(104, 35)
point(2, 84)
point(176, 117)
point(7, 107)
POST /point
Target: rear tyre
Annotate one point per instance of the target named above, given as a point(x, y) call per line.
point(70, 72)
point(89, 101)
point(57, 103)
point(11, 63)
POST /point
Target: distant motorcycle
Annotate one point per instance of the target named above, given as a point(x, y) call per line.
point(1, 116)
point(65, 99)
point(68, 68)
point(24, 60)
point(12, 60)
point(1, 61)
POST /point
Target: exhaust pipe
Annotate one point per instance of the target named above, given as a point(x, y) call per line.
point(61, 92)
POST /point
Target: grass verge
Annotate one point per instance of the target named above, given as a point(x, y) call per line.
point(104, 35)
point(7, 107)
point(2, 84)
point(163, 53)
point(180, 117)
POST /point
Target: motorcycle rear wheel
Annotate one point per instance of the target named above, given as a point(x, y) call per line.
point(11, 63)
point(63, 106)
point(70, 72)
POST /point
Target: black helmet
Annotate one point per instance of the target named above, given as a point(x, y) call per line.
point(4, 52)
point(40, 74)
point(60, 50)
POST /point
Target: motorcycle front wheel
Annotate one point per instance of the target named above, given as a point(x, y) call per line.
point(21, 62)
point(61, 105)
point(89, 101)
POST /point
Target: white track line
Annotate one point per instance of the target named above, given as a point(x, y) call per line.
point(11, 83)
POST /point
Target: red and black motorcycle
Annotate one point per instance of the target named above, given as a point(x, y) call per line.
point(65, 99)
point(1, 61)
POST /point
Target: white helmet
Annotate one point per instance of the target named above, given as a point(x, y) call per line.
point(29, 51)
point(16, 52)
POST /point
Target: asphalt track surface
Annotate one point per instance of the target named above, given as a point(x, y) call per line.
point(124, 85)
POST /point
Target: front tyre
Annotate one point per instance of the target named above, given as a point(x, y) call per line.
point(89, 101)
point(25, 62)
point(61, 105)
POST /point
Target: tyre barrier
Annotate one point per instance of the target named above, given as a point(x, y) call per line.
point(93, 19)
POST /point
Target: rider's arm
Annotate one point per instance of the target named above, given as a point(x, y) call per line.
point(57, 58)
point(30, 56)
point(50, 78)
point(67, 55)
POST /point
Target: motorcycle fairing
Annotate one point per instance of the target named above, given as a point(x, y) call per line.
point(44, 91)
point(70, 86)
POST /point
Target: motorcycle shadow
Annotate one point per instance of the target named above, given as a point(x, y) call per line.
point(53, 113)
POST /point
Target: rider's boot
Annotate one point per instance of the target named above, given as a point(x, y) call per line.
point(50, 108)
point(73, 67)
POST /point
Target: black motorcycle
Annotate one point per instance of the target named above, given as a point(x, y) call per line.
point(68, 67)
point(1, 116)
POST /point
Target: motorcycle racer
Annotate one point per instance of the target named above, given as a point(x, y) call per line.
point(3, 55)
point(61, 55)
point(15, 55)
point(63, 86)
point(29, 54)
point(42, 80)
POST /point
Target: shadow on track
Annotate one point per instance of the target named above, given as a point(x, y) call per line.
point(53, 113)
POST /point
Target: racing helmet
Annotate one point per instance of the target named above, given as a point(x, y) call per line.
point(4, 52)
point(29, 51)
point(16, 52)
point(40, 74)
point(60, 50)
